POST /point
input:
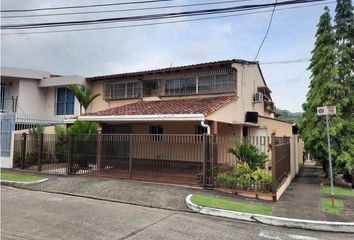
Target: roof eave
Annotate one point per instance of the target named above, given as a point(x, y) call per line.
point(143, 118)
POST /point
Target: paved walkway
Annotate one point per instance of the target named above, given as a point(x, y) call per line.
point(302, 199)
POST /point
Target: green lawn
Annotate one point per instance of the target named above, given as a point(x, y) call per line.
point(338, 191)
point(327, 205)
point(18, 177)
point(214, 202)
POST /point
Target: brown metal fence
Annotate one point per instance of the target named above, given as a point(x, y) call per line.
point(280, 160)
point(183, 159)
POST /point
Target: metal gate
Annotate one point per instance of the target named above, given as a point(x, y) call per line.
point(7, 122)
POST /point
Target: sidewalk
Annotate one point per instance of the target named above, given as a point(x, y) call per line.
point(302, 199)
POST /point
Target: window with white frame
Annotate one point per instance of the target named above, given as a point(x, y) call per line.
point(200, 85)
point(65, 101)
point(123, 90)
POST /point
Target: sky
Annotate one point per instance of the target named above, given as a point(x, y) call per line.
point(99, 52)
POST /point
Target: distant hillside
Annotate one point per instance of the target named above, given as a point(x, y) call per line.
point(289, 116)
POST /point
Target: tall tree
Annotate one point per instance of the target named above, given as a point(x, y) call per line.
point(323, 89)
point(84, 95)
point(344, 130)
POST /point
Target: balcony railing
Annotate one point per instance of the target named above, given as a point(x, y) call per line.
point(8, 104)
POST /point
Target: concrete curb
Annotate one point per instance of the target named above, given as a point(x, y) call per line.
point(11, 183)
point(274, 221)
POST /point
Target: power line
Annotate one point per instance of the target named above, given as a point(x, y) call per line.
point(84, 6)
point(266, 34)
point(125, 10)
point(163, 23)
point(286, 61)
point(155, 16)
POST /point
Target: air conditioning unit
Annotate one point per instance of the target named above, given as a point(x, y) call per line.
point(258, 97)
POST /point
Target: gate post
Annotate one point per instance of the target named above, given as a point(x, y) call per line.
point(69, 160)
point(274, 168)
point(204, 161)
point(130, 155)
point(99, 151)
point(40, 152)
point(23, 150)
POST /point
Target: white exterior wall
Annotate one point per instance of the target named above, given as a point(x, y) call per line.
point(32, 99)
point(12, 86)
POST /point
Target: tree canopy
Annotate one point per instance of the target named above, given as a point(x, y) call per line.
point(332, 84)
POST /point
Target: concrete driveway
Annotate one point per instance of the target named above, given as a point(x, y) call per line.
point(35, 215)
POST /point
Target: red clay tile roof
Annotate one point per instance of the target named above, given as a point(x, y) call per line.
point(206, 106)
point(171, 69)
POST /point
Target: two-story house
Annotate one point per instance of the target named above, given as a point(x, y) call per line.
point(38, 94)
point(32, 97)
point(226, 98)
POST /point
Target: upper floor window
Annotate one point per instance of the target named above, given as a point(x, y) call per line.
point(123, 90)
point(180, 86)
point(216, 83)
point(65, 102)
point(199, 85)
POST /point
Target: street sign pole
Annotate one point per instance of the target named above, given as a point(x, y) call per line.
point(328, 110)
point(330, 160)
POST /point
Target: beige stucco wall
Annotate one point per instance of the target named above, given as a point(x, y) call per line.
point(249, 78)
point(281, 128)
point(231, 113)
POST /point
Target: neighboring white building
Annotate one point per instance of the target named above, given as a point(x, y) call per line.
point(36, 97)
point(38, 93)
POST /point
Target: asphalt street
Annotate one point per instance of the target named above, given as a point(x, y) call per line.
point(35, 215)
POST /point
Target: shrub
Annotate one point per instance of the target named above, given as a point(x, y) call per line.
point(60, 143)
point(80, 127)
point(247, 153)
point(247, 178)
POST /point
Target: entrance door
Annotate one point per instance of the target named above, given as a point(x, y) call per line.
point(260, 138)
point(116, 147)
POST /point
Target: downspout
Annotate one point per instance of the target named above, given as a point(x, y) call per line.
point(205, 126)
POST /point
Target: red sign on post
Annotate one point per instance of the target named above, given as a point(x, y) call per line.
point(328, 110)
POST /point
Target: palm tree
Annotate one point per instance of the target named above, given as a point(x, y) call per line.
point(84, 95)
point(80, 127)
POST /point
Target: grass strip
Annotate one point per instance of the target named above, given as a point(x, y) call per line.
point(327, 205)
point(338, 191)
point(215, 202)
point(18, 177)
